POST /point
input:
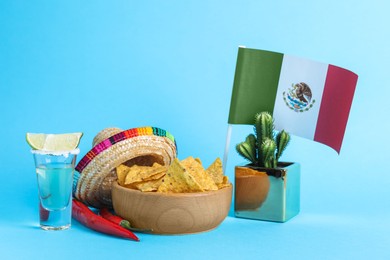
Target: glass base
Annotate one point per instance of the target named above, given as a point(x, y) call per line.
point(51, 228)
point(55, 219)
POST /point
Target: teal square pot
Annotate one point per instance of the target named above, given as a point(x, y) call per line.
point(267, 194)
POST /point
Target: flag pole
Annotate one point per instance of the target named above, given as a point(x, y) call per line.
point(227, 145)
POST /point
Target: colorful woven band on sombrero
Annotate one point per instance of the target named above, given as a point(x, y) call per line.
point(120, 137)
point(95, 172)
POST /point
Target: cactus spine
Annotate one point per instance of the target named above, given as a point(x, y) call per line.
point(264, 148)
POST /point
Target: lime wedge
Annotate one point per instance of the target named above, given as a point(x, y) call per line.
point(54, 142)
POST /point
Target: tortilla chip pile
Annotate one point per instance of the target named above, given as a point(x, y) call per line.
point(187, 175)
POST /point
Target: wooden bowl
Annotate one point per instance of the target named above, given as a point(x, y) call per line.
point(172, 213)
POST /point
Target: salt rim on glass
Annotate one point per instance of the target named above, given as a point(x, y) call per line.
point(56, 153)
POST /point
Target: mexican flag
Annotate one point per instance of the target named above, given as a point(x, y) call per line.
point(306, 98)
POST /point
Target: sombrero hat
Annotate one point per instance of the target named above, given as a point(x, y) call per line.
point(112, 147)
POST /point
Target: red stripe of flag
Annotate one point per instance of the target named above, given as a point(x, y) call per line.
point(335, 106)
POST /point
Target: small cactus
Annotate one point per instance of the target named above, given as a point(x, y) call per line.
point(282, 140)
point(264, 148)
point(247, 149)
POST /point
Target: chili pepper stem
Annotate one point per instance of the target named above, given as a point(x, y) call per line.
point(105, 213)
point(126, 224)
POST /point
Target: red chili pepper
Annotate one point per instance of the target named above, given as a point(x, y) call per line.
point(43, 213)
point(105, 213)
point(87, 217)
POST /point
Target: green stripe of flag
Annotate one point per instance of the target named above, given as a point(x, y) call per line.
point(255, 84)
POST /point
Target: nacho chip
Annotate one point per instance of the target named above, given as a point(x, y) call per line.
point(185, 176)
point(142, 173)
point(225, 183)
point(198, 160)
point(196, 170)
point(121, 172)
point(215, 171)
point(178, 180)
point(151, 185)
point(157, 175)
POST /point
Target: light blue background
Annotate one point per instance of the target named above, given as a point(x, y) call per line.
point(85, 65)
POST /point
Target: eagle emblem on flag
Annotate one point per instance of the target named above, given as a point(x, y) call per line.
point(299, 97)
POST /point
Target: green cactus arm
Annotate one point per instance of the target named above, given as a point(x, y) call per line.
point(246, 151)
point(274, 162)
point(271, 163)
point(264, 126)
point(251, 140)
point(268, 148)
point(282, 140)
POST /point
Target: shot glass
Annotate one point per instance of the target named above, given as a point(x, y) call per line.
point(55, 179)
